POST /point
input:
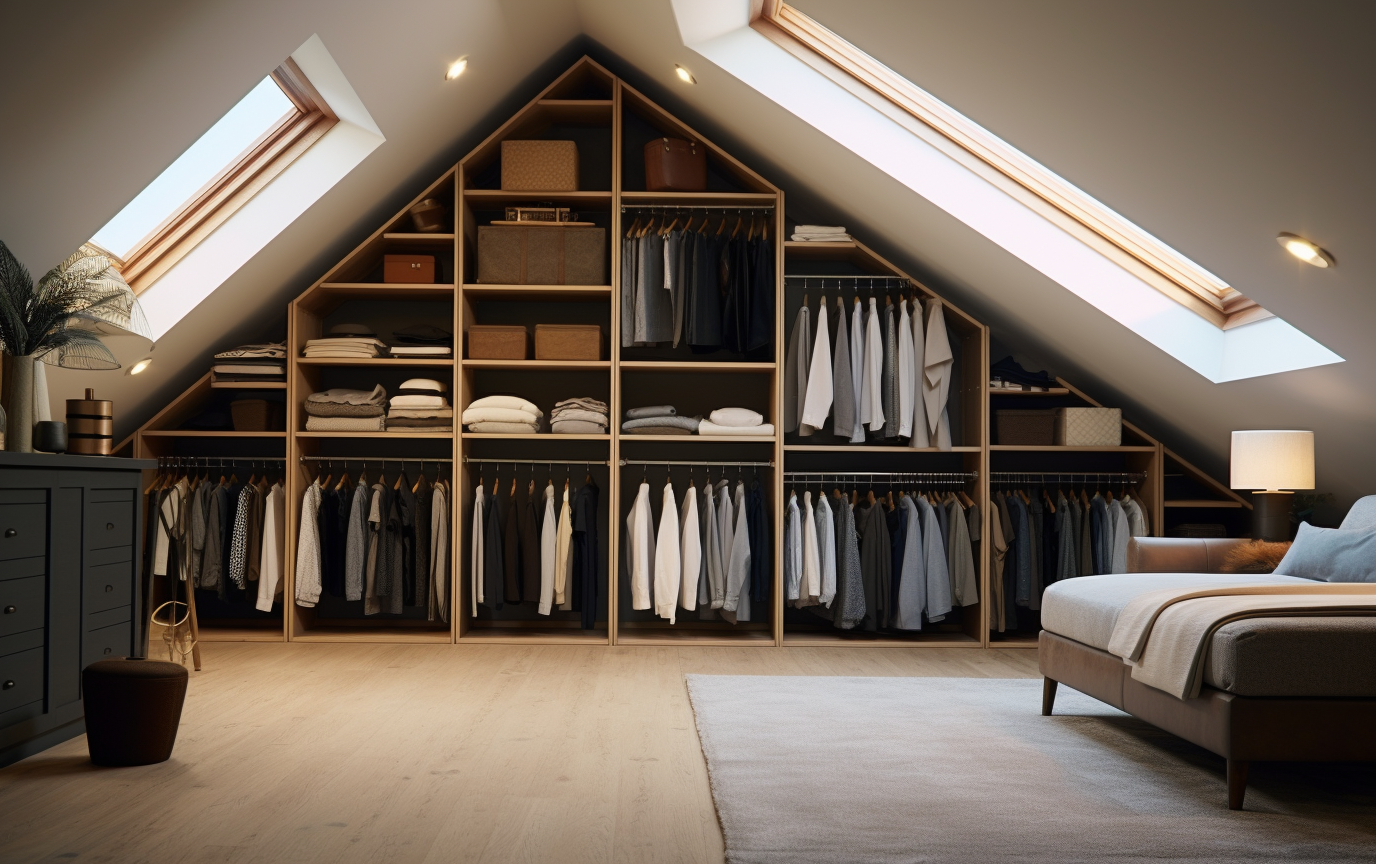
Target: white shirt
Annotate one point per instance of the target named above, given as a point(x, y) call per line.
point(668, 563)
point(641, 548)
point(563, 555)
point(690, 547)
point(826, 545)
point(274, 549)
point(872, 391)
point(817, 403)
point(811, 588)
point(308, 549)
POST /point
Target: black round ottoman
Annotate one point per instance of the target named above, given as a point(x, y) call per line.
point(133, 707)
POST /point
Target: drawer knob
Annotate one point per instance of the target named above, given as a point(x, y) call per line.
point(10, 532)
point(109, 588)
point(108, 650)
point(7, 685)
point(109, 526)
point(10, 610)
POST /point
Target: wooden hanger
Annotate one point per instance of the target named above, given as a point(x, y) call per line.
point(965, 500)
point(635, 225)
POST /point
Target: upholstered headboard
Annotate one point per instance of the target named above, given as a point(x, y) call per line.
point(1362, 516)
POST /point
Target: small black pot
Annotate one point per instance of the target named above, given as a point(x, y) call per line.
point(50, 436)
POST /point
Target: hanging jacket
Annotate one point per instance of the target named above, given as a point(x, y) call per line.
point(796, 371)
point(586, 580)
point(843, 399)
point(668, 562)
point(912, 578)
point(818, 398)
point(761, 543)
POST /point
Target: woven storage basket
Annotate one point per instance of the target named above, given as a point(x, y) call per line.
point(1089, 427)
point(257, 415)
point(1026, 427)
point(539, 166)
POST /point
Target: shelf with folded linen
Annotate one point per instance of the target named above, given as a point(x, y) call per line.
point(697, 554)
point(416, 406)
point(660, 421)
point(698, 410)
point(537, 547)
point(582, 416)
point(410, 343)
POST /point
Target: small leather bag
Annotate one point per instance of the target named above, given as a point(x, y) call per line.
point(675, 165)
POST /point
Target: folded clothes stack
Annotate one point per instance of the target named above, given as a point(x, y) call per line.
point(343, 410)
point(346, 341)
point(420, 404)
point(658, 420)
point(422, 340)
point(582, 416)
point(507, 415)
point(251, 364)
point(820, 233)
point(735, 421)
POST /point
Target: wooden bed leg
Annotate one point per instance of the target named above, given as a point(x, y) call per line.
point(1048, 696)
point(1237, 782)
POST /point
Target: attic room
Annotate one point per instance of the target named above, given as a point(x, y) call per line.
point(744, 430)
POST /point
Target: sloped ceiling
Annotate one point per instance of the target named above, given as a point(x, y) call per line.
point(1214, 126)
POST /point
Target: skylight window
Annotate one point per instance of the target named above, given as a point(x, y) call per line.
point(257, 114)
point(997, 190)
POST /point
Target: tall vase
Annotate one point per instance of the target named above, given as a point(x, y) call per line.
point(19, 435)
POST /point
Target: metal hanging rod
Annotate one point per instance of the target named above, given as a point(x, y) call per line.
point(823, 278)
point(1071, 476)
point(670, 208)
point(374, 459)
point(177, 461)
point(942, 476)
point(470, 460)
point(711, 463)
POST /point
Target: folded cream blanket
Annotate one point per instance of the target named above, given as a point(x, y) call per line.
point(421, 413)
point(579, 414)
point(499, 415)
point(418, 402)
point(1164, 635)
point(504, 428)
point(577, 427)
point(585, 402)
point(346, 424)
point(707, 427)
point(344, 396)
point(506, 402)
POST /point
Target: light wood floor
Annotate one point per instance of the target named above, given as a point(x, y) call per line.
point(411, 753)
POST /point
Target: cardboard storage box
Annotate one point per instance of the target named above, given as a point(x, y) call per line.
point(568, 342)
point(1089, 427)
point(539, 166)
point(540, 255)
point(498, 342)
point(409, 268)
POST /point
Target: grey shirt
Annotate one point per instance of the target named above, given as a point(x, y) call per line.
point(912, 579)
point(796, 368)
point(356, 541)
point(960, 558)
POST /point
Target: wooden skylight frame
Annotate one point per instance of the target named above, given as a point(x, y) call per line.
point(264, 159)
point(980, 150)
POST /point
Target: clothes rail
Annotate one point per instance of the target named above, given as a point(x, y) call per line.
point(375, 459)
point(862, 278)
point(708, 462)
point(470, 460)
point(216, 460)
point(673, 208)
point(1063, 476)
point(944, 476)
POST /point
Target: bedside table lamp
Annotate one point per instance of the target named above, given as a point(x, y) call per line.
point(1269, 461)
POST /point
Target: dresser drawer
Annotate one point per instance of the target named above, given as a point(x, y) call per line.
point(108, 586)
point(22, 602)
point(23, 530)
point(97, 620)
point(107, 643)
point(21, 678)
point(109, 523)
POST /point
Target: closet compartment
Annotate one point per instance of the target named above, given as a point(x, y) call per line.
point(401, 236)
point(335, 617)
point(1195, 504)
point(697, 391)
point(850, 272)
point(543, 383)
point(504, 603)
point(899, 617)
point(656, 464)
point(643, 121)
point(531, 307)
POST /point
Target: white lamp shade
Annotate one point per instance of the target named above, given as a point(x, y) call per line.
point(1273, 459)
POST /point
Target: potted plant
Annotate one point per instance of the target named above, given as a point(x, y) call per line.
point(57, 321)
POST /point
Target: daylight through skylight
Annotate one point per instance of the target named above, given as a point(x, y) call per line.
point(262, 109)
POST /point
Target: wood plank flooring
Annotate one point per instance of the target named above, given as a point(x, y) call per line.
point(417, 753)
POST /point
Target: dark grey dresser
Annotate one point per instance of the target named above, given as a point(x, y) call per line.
point(70, 554)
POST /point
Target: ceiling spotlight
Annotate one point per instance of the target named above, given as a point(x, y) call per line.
point(1306, 251)
point(684, 75)
point(456, 69)
point(141, 365)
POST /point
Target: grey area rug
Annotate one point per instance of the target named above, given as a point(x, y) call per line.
point(817, 769)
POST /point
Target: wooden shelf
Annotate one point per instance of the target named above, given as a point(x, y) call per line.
point(715, 439)
point(375, 361)
point(1201, 503)
point(418, 238)
point(437, 436)
point(1054, 391)
point(870, 448)
point(1032, 448)
point(497, 197)
point(690, 366)
point(538, 365)
point(199, 433)
point(386, 288)
point(245, 385)
point(538, 436)
point(545, 293)
point(575, 110)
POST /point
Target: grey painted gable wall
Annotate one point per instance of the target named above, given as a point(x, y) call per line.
point(396, 67)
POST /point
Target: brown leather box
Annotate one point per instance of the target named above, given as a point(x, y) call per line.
point(409, 268)
point(539, 166)
point(498, 342)
point(568, 342)
point(537, 255)
point(1025, 427)
point(675, 165)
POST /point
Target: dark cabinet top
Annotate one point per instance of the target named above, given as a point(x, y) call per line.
point(11, 459)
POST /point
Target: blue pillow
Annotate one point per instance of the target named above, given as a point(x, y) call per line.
point(1331, 555)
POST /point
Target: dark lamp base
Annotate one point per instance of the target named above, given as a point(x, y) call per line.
point(1271, 516)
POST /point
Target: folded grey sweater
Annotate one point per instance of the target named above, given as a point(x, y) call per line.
point(651, 411)
point(689, 423)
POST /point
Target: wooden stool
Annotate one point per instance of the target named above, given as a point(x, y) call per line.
point(133, 707)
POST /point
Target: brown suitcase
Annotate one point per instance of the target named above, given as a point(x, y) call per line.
point(1028, 428)
point(539, 166)
point(498, 342)
point(409, 268)
point(568, 342)
point(517, 255)
point(675, 165)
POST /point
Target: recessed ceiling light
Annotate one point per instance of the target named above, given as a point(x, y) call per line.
point(141, 365)
point(684, 75)
point(456, 69)
point(1307, 252)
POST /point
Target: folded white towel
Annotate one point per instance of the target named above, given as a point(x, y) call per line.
point(342, 353)
point(736, 417)
point(498, 415)
point(346, 342)
point(423, 384)
point(345, 396)
point(819, 238)
point(506, 402)
point(707, 427)
point(419, 402)
point(819, 229)
point(421, 351)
